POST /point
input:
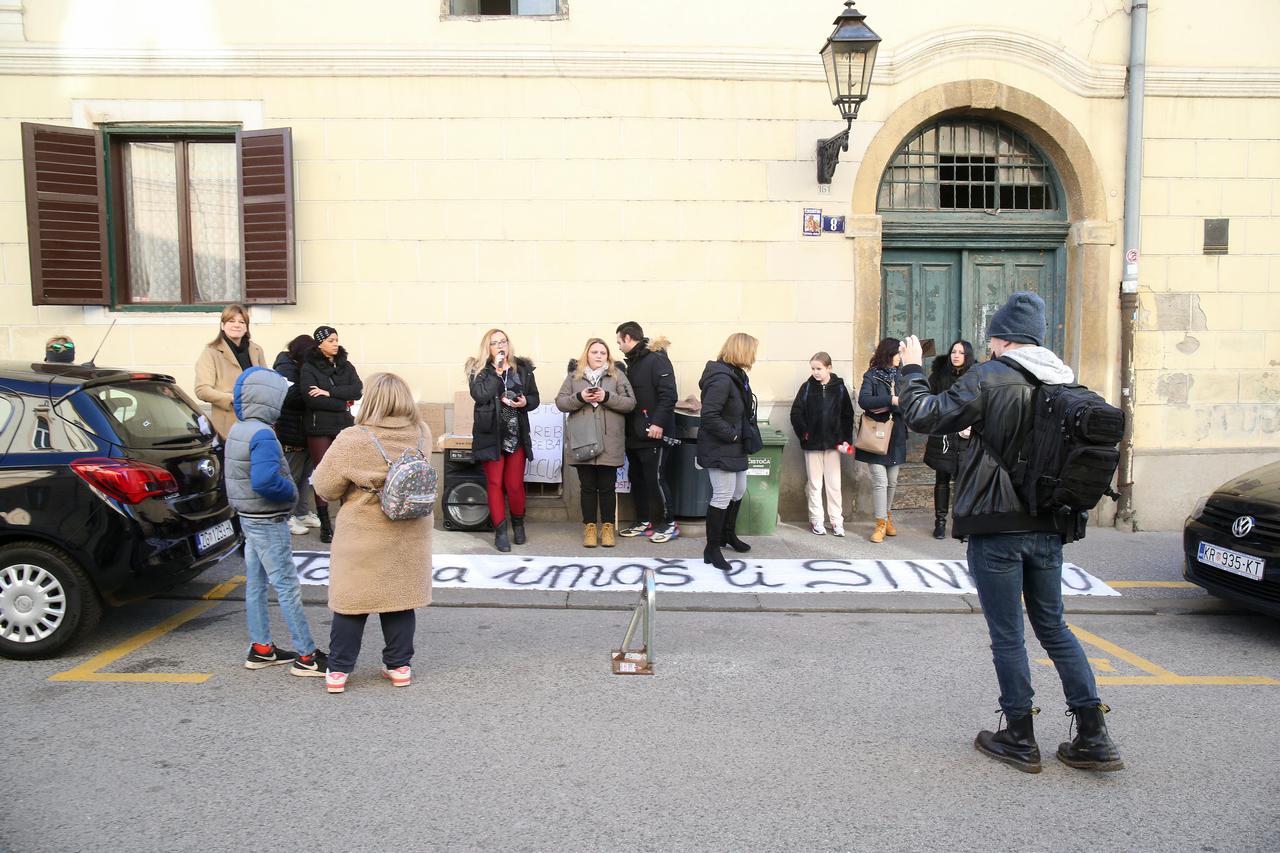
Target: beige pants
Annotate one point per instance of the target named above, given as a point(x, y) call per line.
point(823, 469)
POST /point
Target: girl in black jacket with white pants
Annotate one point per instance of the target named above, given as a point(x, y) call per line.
point(822, 416)
point(331, 384)
point(727, 434)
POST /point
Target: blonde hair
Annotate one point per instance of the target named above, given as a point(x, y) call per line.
point(823, 358)
point(386, 396)
point(57, 339)
point(608, 358)
point(475, 364)
point(739, 350)
point(228, 314)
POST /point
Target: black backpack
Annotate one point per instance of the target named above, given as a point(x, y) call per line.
point(1070, 453)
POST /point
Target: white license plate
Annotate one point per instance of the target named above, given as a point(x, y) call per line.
point(1231, 561)
point(206, 539)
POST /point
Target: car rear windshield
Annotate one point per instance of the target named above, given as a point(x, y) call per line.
point(151, 414)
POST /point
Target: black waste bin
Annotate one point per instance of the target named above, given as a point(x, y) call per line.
point(690, 486)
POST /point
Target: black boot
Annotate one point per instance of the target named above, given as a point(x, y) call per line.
point(1092, 747)
point(730, 537)
point(517, 529)
point(500, 537)
point(715, 535)
point(941, 502)
point(326, 527)
point(1015, 744)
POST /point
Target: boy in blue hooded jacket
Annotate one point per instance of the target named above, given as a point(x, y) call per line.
point(262, 492)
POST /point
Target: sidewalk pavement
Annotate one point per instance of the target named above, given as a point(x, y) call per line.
point(1109, 554)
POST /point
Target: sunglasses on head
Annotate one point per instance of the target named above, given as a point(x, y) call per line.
point(61, 347)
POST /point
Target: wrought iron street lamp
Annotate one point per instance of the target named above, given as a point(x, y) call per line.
point(849, 57)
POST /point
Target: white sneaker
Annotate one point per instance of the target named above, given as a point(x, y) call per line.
point(401, 676)
point(837, 531)
point(296, 527)
point(818, 529)
point(310, 520)
point(335, 682)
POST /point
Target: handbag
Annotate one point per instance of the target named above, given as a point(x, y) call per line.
point(874, 435)
point(586, 439)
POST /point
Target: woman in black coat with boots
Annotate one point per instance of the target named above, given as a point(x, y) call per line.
point(504, 389)
point(727, 435)
point(942, 452)
point(331, 384)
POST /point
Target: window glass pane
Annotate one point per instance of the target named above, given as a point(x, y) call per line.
point(149, 414)
point(151, 211)
point(536, 7)
point(215, 221)
point(504, 7)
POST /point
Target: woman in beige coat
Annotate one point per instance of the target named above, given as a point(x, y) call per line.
point(376, 565)
point(221, 363)
point(597, 396)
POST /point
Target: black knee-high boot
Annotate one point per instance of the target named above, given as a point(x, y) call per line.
point(730, 536)
point(941, 503)
point(326, 527)
point(715, 533)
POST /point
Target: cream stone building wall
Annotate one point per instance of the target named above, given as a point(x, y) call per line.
point(652, 161)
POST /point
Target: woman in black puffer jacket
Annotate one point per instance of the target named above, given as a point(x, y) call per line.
point(292, 435)
point(942, 453)
point(727, 434)
point(331, 384)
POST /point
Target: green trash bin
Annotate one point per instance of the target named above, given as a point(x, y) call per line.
point(759, 513)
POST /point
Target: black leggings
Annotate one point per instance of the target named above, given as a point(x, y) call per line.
point(598, 482)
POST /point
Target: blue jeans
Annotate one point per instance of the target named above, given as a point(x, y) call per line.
point(1007, 567)
point(268, 558)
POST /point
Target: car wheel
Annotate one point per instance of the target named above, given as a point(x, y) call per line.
point(45, 600)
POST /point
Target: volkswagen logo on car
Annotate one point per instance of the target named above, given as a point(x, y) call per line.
point(1243, 526)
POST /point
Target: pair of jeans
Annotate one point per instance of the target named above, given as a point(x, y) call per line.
point(599, 500)
point(1007, 569)
point(726, 486)
point(268, 559)
point(649, 488)
point(884, 482)
point(347, 633)
point(504, 484)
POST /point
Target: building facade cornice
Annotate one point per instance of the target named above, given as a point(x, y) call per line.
point(1071, 71)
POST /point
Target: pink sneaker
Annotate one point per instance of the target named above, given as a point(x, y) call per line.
point(400, 676)
point(335, 682)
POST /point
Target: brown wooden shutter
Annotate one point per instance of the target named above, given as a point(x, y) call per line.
point(265, 159)
point(66, 215)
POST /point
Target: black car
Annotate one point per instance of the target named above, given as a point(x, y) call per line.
point(1231, 541)
point(110, 489)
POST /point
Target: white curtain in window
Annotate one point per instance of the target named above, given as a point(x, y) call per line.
point(215, 221)
point(151, 207)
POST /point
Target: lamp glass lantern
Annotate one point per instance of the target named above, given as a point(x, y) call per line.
point(849, 58)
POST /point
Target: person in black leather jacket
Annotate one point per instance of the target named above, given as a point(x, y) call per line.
point(330, 384)
point(1014, 555)
point(653, 379)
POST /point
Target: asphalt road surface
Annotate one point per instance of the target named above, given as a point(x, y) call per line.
point(759, 731)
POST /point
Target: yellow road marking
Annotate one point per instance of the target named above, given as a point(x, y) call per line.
point(88, 671)
point(1150, 585)
point(1157, 674)
point(1100, 664)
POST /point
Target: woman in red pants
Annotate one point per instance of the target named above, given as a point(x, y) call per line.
point(504, 389)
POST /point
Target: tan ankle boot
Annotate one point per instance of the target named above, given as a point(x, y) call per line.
point(606, 536)
point(589, 536)
point(889, 529)
point(881, 529)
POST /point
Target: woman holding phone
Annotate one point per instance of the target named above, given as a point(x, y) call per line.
point(504, 390)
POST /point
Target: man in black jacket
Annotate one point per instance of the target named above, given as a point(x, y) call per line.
point(1014, 555)
point(654, 381)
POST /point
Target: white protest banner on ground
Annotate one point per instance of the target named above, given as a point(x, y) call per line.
point(572, 574)
point(546, 432)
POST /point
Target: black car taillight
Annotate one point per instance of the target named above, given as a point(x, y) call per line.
point(125, 479)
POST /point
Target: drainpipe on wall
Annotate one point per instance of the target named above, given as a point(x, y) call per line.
point(1129, 281)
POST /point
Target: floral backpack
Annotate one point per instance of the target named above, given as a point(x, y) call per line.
point(410, 489)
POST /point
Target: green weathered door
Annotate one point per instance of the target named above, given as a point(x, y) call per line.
point(922, 294)
point(991, 276)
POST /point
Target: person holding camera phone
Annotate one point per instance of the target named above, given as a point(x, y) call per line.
point(879, 402)
point(504, 390)
point(597, 397)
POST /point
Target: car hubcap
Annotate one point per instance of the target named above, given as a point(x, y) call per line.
point(32, 603)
